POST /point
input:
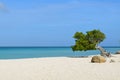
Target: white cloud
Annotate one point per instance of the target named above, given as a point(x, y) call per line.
point(3, 7)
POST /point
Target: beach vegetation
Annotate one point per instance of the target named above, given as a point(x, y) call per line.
point(89, 41)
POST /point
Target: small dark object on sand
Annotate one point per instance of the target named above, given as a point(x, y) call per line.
point(118, 52)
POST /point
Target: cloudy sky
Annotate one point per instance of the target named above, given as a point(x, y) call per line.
point(54, 22)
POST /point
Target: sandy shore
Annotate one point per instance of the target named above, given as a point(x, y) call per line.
point(59, 68)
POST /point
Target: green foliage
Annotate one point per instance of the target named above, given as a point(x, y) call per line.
point(87, 41)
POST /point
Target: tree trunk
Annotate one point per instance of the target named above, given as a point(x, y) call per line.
point(103, 53)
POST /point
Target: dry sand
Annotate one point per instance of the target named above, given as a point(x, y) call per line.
point(59, 68)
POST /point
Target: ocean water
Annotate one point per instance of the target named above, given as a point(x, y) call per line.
point(38, 52)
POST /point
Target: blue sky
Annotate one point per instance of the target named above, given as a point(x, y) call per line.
point(54, 22)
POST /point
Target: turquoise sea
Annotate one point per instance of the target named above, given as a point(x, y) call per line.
point(37, 52)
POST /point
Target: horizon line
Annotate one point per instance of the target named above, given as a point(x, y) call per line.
point(45, 46)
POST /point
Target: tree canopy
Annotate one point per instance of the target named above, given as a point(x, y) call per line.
point(87, 41)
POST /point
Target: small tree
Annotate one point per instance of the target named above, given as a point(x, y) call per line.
point(89, 41)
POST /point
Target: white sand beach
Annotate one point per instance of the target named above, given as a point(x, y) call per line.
point(59, 68)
